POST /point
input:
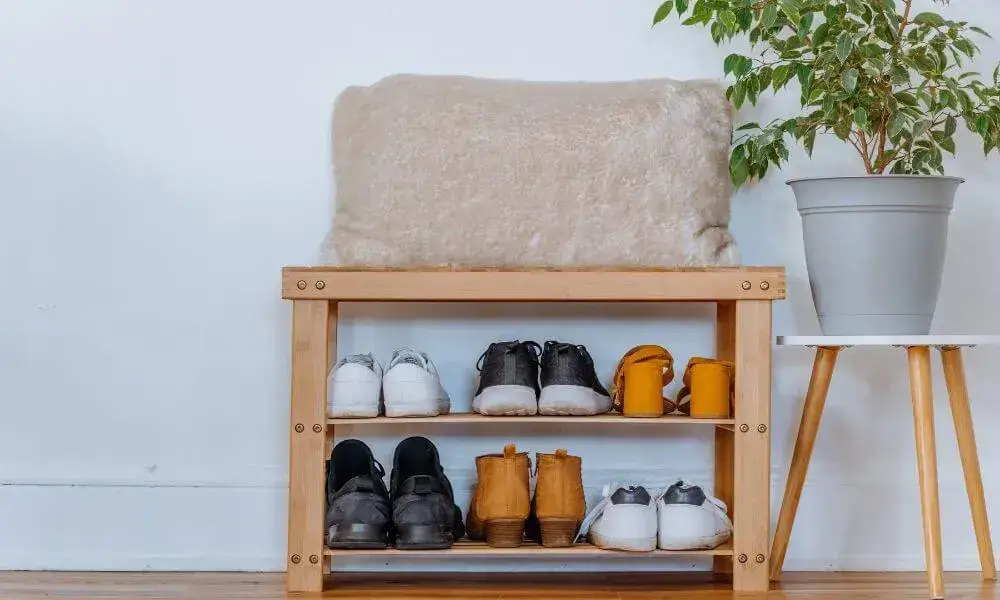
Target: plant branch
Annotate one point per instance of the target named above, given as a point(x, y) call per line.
point(864, 155)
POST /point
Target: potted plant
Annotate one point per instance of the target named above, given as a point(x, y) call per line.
point(890, 82)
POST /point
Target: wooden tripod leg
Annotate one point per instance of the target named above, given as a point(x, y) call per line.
point(919, 358)
point(958, 396)
point(812, 412)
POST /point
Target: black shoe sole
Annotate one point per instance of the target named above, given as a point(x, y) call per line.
point(424, 537)
point(357, 536)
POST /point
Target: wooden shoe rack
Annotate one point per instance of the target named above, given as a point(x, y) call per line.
point(742, 445)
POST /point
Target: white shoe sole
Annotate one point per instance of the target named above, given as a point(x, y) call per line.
point(353, 399)
point(647, 544)
point(572, 400)
point(687, 527)
point(506, 401)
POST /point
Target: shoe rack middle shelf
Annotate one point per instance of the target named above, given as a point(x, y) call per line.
point(560, 420)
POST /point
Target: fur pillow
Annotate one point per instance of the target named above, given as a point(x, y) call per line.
point(441, 170)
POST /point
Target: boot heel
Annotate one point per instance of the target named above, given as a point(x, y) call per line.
point(558, 533)
point(504, 533)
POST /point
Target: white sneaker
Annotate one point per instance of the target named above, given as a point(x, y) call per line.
point(353, 387)
point(624, 520)
point(690, 519)
point(411, 386)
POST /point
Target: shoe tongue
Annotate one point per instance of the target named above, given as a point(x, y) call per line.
point(366, 360)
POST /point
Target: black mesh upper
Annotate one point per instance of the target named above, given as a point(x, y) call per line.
point(509, 363)
point(567, 364)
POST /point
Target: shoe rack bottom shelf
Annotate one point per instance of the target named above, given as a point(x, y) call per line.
point(468, 548)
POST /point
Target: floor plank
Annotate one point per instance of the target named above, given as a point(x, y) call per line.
point(520, 586)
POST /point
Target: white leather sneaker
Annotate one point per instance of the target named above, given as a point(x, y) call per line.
point(624, 520)
point(690, 519)
point(411, 386)
point(353, 387)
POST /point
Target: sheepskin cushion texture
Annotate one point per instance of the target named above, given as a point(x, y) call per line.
point(461, 171)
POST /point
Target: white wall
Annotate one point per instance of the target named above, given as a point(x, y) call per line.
point(160, 161)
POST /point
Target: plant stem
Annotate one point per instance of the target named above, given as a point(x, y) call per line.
point(882, 137)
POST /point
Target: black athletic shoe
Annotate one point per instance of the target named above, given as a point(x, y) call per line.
point(358, 511)
point(423, 502)
point(508, 379)
point(569, 382)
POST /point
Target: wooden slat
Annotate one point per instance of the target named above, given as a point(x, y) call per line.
point(702, 284)
point(306, 473)
point(751, 519)
point(477, 419)
point(472, 548)
point(725, 349)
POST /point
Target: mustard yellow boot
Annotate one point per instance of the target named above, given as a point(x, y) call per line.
point(500, 504)
point(559, 502)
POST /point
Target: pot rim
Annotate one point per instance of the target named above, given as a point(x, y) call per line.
point(830, 178)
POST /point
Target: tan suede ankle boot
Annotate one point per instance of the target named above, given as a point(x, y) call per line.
point(559, 501)
point(500, 504)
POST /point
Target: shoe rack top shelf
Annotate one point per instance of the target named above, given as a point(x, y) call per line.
point(552, 420)
point(468, 548)
point(648, 284)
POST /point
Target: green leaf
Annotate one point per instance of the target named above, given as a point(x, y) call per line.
point(743, 66)
point(849, 80)
point(920, 128)
point(770, 16)
point(821, 33)
point(896, 124)
point(905, 98)
point(929, 18)
point(729, 65)
point(728, 19)
point(844, 45)
point(950, 126)
point(861, 117)
point(781, 75)
point(980, 31)
point(808, 140)
point(682, 6)
point(738, 168)
point(805, 26)
point(739, 94)
point(983, 124)
point(748, 126)
point(804, 73)
point(663, 12)
point(948, 144)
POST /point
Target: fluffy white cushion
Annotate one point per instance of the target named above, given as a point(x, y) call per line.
point(435, 170)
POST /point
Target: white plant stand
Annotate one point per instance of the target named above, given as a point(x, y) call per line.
point(918, 350)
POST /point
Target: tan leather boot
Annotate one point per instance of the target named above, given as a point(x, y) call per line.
point(500, 503)
point(559, 502)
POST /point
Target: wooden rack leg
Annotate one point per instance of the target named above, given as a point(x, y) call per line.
point(752, 485)
point(958, 396)
point(812, 412)
point(306, 472)
point(919, 358)
point(725, 349)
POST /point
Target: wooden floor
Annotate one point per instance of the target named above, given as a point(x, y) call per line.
point(269, 586)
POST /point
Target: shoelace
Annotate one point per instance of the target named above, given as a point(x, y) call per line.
point(535, 351)
point(644, 353)
point(685, 393)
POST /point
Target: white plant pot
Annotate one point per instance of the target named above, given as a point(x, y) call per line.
point(875, 248)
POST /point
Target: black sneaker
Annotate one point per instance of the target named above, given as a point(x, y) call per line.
point(423, 502)
point(508, 379)
point(569, 382)
point(358, 512)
